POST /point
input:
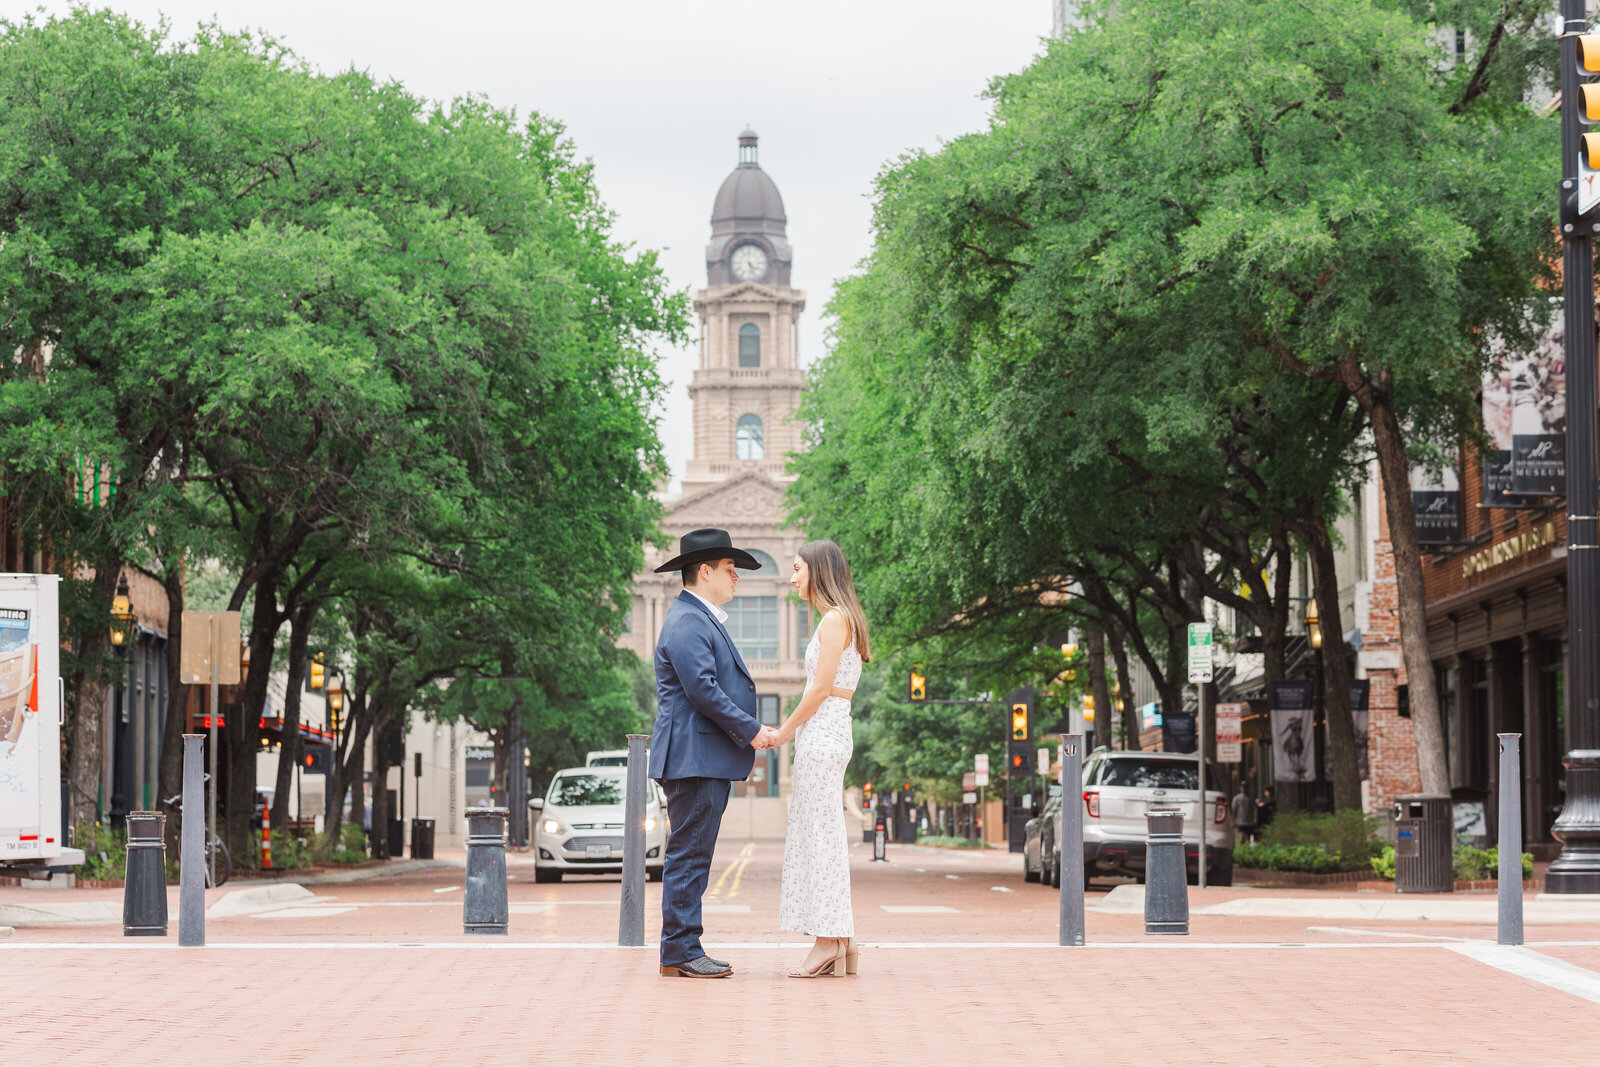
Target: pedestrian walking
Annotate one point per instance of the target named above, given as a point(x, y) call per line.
point(815, 895)
point(1266, 808)
point(705, 737)
point(1244, 814)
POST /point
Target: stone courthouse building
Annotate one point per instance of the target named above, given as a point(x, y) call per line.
point(745, 390)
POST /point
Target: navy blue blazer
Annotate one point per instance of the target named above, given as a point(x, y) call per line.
point(706, 699)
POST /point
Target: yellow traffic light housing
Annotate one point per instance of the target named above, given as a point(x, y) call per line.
point(317, 675)
point(918, 685)
point(1019, 722)
point(1587, 109)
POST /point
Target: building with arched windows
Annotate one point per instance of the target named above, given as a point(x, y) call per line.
point(745, 390)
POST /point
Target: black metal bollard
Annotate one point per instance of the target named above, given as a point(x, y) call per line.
point(880, 836)
point(144, 889)
point(484, 908)
point(1166, 886)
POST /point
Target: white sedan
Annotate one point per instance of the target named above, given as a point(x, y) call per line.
point(578, 825)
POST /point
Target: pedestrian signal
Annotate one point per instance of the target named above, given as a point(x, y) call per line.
point(918, 685)
point(317, 759)
point(1019, 722)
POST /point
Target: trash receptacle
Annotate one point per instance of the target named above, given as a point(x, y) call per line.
point(422, 839)
point(397, 838)
point(1424, 833)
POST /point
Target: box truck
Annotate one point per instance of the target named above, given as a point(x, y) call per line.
point(31, 714)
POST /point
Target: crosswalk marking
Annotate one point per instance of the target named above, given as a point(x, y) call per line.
point(918, 909)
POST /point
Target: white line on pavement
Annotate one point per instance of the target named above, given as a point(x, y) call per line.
point(448, 889)
point(1546, 970)
point(917, 909)
point(1164, 945)
point(1399, 935)
point(307, 912)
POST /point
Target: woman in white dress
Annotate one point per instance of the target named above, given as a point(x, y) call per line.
point(815, 898)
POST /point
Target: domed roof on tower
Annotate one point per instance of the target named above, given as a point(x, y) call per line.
point(748, 201)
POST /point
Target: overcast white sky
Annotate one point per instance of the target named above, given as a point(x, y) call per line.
point(656, 94)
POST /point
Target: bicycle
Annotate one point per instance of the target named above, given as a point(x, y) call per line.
point(214, 846)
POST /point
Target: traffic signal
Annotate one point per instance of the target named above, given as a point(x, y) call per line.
point(1588, 60)
point(1019, 722)
point(866, 795)
point(318, 759)
point(1019, 759)
point(1088, 707)
point(317, 673)
point(917, 684)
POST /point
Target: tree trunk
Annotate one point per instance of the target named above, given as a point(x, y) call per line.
point(1341, 733)
point(379, 835)
point(88, 726)
point(1395, 472)
point(170, 775)
point(290, 751)
point(1130, 707)
point(1104, 710)
point(242, 728)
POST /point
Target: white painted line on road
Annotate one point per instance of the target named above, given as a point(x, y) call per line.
point(448, 889)
point(917, 909)
point(310, 911)
point(525, 908)
point(726, 909)
point(1163, 945)
point(1546, 970)
point(1381, 933)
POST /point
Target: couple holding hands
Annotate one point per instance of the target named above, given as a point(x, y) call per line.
point(706, 734)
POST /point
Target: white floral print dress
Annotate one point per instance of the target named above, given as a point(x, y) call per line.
point(815, 898)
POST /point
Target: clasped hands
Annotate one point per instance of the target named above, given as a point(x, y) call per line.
point(767, 738)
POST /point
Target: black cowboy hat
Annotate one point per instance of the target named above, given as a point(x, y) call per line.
point(707, 546)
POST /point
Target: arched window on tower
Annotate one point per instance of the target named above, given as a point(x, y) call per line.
point(749, 345)
point(749, 439)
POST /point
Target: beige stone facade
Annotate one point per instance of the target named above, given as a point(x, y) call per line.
point(745, 391)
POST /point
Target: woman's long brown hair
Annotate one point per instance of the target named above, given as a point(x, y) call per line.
point(830, 586)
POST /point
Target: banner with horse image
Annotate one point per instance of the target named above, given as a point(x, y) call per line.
point(1293, 740)
point(1539, 416)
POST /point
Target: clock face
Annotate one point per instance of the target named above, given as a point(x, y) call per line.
point(749, 262)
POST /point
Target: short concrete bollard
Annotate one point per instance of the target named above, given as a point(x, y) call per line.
point(1508, 930)
point(144, 888)
point(484, 908)
point(630, 923)
point(1166, 885)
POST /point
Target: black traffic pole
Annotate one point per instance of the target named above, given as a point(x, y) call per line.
point(1577, 869)
point(630, 923)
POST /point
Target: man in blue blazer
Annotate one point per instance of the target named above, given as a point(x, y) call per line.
point(705, 736)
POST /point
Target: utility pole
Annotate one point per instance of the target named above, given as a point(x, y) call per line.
point(1577, 869)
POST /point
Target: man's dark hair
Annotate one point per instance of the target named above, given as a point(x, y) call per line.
point(689, 575)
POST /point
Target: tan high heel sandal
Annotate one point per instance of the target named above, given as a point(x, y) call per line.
point(836, 965)
point(852, 956)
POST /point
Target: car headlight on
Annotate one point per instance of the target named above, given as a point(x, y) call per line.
point(650, 823)
point(550, 826)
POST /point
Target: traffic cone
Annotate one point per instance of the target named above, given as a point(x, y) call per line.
point(266, 835)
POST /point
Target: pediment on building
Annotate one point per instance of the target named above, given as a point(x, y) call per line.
point(749, 498)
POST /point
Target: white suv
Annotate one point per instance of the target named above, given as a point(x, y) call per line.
point(1120, 787)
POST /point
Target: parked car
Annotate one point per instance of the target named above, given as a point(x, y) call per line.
point(578, 825)
point(611, 757)
point(1120, 787)
point(1041, 860)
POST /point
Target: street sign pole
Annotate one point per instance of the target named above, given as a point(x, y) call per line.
point(212, 626)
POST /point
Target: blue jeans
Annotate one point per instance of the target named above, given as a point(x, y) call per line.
point(694, 806)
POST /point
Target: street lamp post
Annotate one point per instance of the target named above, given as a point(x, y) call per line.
point(1577, 869)
point(1319, 718)
point(122, 616)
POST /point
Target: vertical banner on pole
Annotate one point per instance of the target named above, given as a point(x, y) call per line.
point(1200, 667)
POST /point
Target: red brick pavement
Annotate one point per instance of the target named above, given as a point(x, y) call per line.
point(340, 988)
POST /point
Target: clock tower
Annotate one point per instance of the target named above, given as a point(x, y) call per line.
point(748, 380)
point(746, 387)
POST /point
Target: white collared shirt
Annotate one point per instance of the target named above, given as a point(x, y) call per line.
point(716, 612)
